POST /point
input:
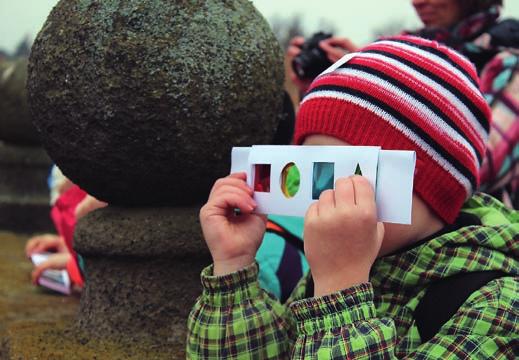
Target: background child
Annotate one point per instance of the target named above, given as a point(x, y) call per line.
point(367, 278)
point(69, 204)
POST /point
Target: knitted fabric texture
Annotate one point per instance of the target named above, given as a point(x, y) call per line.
point(407, 93)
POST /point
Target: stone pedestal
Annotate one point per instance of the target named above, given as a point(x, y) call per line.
point(143, 272)
point(24, 196)
point(150, 97)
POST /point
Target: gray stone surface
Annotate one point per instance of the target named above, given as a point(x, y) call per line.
point(15, 121)
point(151, 95)
point(143, 272)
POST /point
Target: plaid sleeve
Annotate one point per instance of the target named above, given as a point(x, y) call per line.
point(235, 319)
point(343, 325)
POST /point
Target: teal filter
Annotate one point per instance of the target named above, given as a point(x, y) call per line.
point(322, 178)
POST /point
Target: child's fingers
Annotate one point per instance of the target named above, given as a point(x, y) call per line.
point(221, 205)
point(326, 202)
point(312, 212)
point(237, 180)
point(364, 194)
point(225, 189)
point(239, 175)
point(344, 192)
point(225, 192)
point(39, 244)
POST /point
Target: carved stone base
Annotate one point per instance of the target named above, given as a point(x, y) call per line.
point(143, 272)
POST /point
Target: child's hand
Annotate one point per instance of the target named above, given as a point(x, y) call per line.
point(45, 243)
point(342, 235)
point(233, 240)
point(55, 261)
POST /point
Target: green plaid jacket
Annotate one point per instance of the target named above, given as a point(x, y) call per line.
point(235, 319)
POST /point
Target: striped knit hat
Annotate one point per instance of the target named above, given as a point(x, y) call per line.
point(407, 93)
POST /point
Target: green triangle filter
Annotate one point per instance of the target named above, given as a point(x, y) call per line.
point(358, 171)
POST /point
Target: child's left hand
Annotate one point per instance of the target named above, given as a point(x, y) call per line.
point(342, 236)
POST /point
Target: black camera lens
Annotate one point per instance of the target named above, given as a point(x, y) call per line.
point(312, 60)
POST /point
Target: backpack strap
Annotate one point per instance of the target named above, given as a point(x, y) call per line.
point(444, 297)
point(290, 238)
point(290, 269)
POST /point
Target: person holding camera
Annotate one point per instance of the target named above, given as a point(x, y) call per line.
point(471, 27)
point(310, 57)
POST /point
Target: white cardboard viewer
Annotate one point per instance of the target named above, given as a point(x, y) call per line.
point(390, 172)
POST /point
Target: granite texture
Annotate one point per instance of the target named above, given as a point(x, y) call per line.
point(142, 272)
point(152, 95)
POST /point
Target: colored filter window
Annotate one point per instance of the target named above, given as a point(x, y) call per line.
point(322, 178)
point(262, 177)
point(290, 177)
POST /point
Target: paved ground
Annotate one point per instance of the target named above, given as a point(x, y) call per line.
point(36, 324)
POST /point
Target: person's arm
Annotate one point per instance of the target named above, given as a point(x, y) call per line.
point(342, 240)
point(235, 318)
point(344, 325)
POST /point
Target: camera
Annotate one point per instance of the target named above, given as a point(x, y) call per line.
point(312, 60)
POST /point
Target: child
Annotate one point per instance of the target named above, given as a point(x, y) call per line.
point(369, 280)
point(69, 205)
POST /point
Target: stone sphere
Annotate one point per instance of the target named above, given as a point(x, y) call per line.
point(140, 102)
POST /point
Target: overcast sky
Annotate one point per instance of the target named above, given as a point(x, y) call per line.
point(353, 18)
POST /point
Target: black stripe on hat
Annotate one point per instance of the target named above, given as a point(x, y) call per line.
point(478, 114)
point(435, 109)
point(405, 121)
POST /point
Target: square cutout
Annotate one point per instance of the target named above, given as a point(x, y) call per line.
point(322, 178)
point(262, 178)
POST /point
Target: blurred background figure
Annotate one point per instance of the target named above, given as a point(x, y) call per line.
point(474, 28)
point(69, 204)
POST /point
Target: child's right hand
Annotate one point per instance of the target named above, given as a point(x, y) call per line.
point(233, 240)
